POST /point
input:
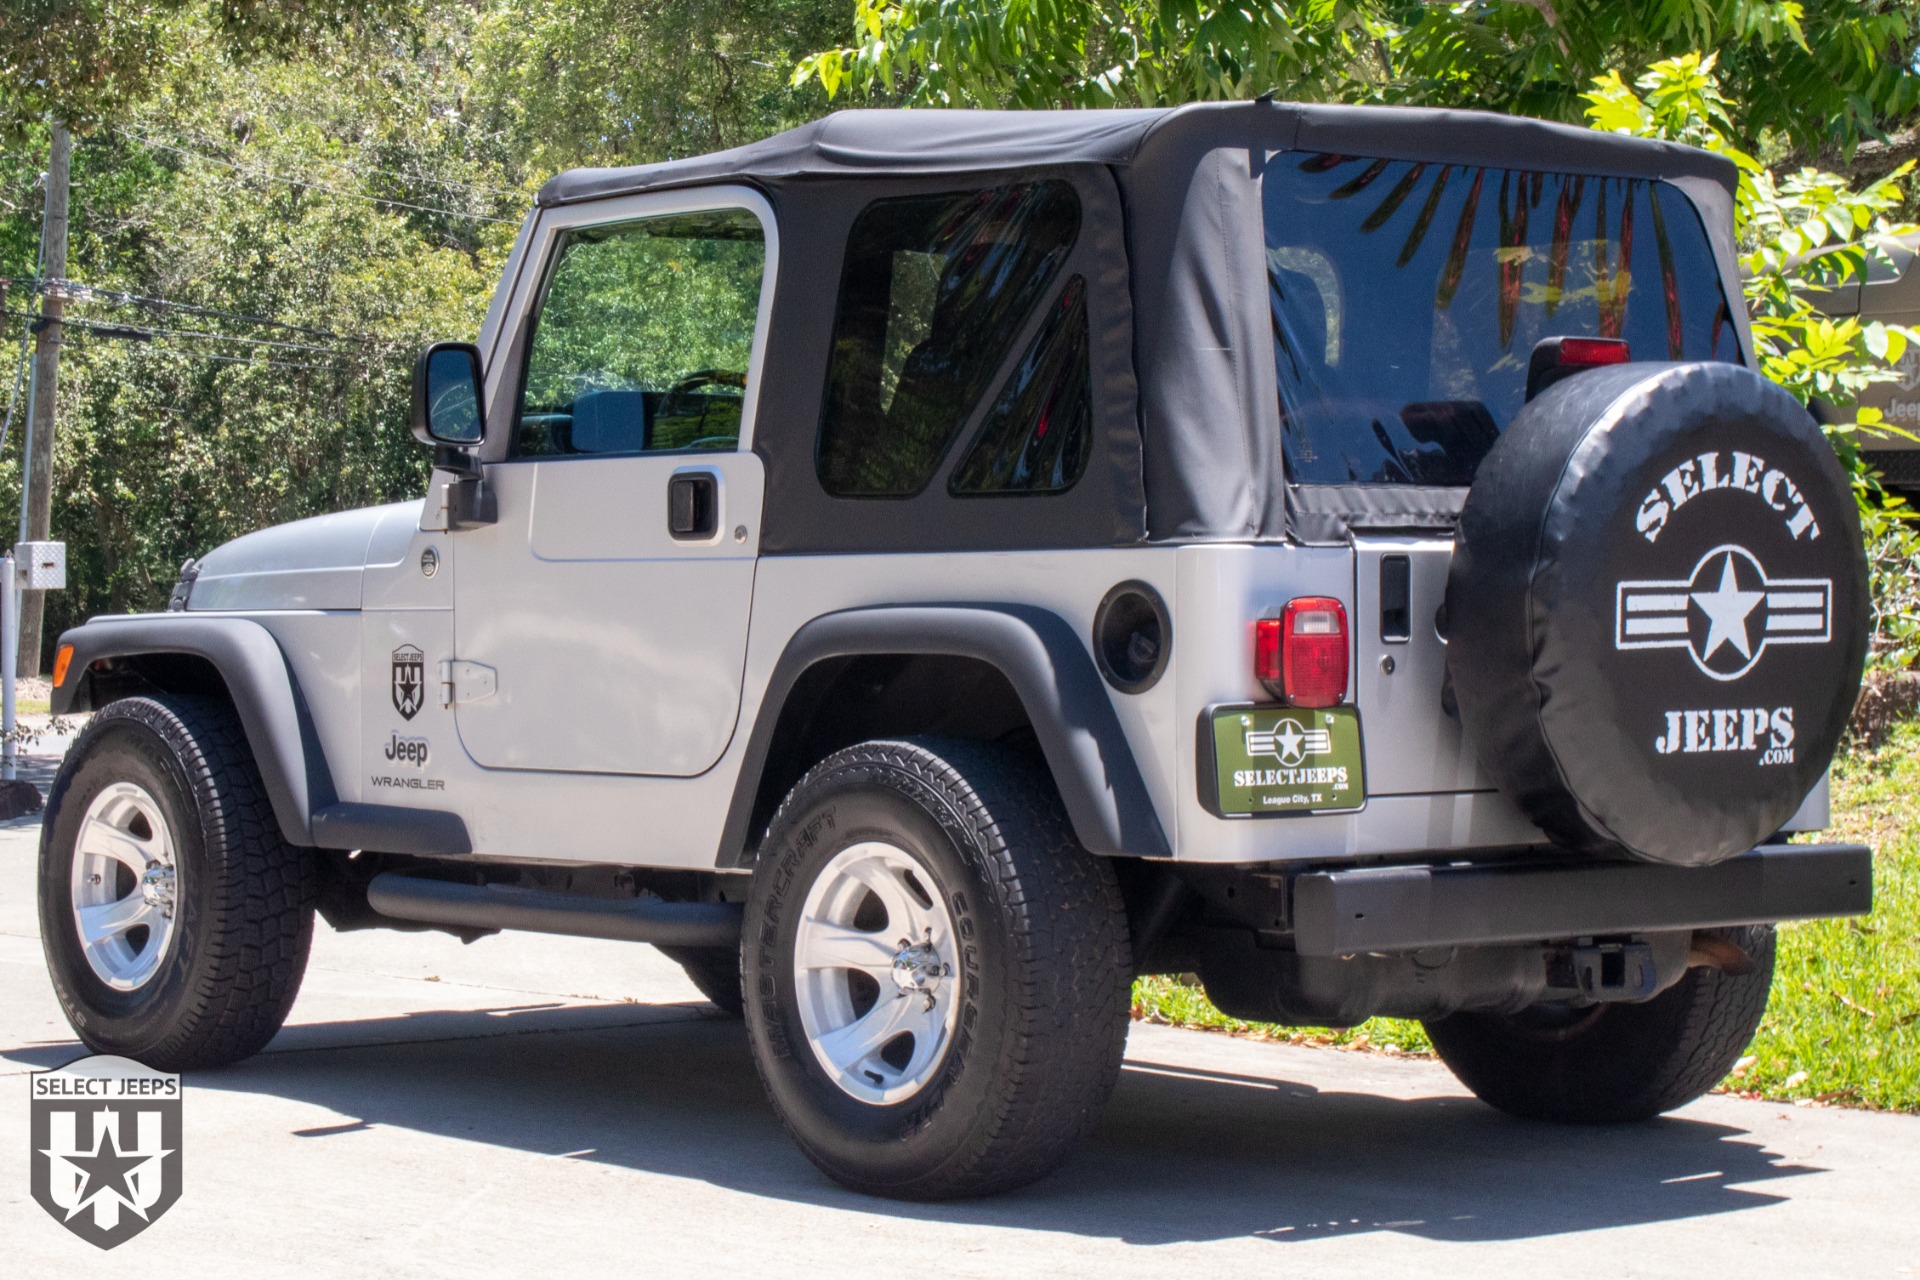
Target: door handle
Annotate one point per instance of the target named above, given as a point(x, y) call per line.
point(1396, 599)
point(693, 506)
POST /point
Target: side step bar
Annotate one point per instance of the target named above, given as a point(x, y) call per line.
point(665, 924)
point(1399, 909)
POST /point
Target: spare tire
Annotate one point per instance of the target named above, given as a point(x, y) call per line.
point(1657, 610)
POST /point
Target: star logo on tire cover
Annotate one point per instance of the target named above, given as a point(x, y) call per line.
point(1725, 614)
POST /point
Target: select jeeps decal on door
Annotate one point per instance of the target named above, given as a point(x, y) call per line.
point(1726, 613)
point(409, 681)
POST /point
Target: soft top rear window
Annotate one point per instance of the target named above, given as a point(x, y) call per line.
point(1406, 298)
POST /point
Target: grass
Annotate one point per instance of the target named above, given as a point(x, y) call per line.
point(1844, 1022)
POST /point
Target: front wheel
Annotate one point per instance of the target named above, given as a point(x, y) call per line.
point(175, 916)
point(936, 972)
point(1609, 1063)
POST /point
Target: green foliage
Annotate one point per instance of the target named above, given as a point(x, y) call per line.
point(1801, 235)
point(629, 81)
point(339, 196)
point(1823, 71)
point(1182, 1002)
point(1844, 1022)
point(1893, 561)
point(1093, 53)
point(87, 61)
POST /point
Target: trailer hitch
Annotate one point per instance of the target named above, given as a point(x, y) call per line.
point(1610, 971)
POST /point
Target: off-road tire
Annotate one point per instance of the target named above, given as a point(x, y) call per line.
point(715, 971)
point(247, 896)
point(1043, 974)
point(1615, 1062)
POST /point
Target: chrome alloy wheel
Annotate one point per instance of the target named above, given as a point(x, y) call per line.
point(125, 886)
point(874, 972)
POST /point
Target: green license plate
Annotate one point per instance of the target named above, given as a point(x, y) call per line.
point(1287, 760)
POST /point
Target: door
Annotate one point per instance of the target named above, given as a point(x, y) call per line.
point(601, 623)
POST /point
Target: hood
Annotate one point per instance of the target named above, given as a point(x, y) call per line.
point(309, 564)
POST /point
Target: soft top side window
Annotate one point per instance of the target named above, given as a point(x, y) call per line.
point(1407, 296)
point(934, 292)
point(643, 337)
point(1038, 434)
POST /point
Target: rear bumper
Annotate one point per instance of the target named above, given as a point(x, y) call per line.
point(1391, 909)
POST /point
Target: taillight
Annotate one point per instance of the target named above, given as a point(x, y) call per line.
point(1301, 656)
point(1557, 358)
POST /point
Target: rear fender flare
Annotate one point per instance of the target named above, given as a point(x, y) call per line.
point(262, 687)
point(1052, 673)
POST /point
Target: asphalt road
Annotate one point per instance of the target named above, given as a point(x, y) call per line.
point(550, 1107)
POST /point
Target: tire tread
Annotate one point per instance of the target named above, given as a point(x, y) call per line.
point(254, 940)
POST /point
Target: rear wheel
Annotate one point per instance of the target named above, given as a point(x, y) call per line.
point(175, 917)
point(1614, 1062)
point(715, 971)
point(936, 972)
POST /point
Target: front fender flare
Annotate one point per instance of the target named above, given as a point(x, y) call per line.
point(1050, 670)
point(263, 689)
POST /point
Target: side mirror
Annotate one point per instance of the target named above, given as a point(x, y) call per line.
point(447, 396)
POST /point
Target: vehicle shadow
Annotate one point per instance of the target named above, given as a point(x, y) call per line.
point(1182, 1155)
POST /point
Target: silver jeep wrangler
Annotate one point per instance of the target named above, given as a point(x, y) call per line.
point(924, 569)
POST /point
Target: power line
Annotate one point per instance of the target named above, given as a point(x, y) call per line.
point(147, 335)
point(127, 333)
point(409, 177)
point(93, 293)
point(225, 359)
point(358, 168)
point(252, 342)
point(263, 175)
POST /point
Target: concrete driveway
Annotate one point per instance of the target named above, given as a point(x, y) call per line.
point(554, 1107)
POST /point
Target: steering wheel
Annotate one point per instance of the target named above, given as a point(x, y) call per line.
point(687, 384)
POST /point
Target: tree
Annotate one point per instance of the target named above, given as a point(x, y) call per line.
point(1826, 72)
point(629, 81)
point(303, 226)
point(84, 61)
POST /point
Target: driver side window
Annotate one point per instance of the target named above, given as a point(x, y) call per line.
point(642, 337)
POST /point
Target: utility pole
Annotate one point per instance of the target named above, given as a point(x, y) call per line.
point(36, 505)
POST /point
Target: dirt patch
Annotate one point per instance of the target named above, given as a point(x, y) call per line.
point(1886, 697)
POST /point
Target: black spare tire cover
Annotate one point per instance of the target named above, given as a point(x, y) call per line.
point(1657, 610)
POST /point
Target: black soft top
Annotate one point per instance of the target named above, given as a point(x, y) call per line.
point(932, 141)
point(1186, 405)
